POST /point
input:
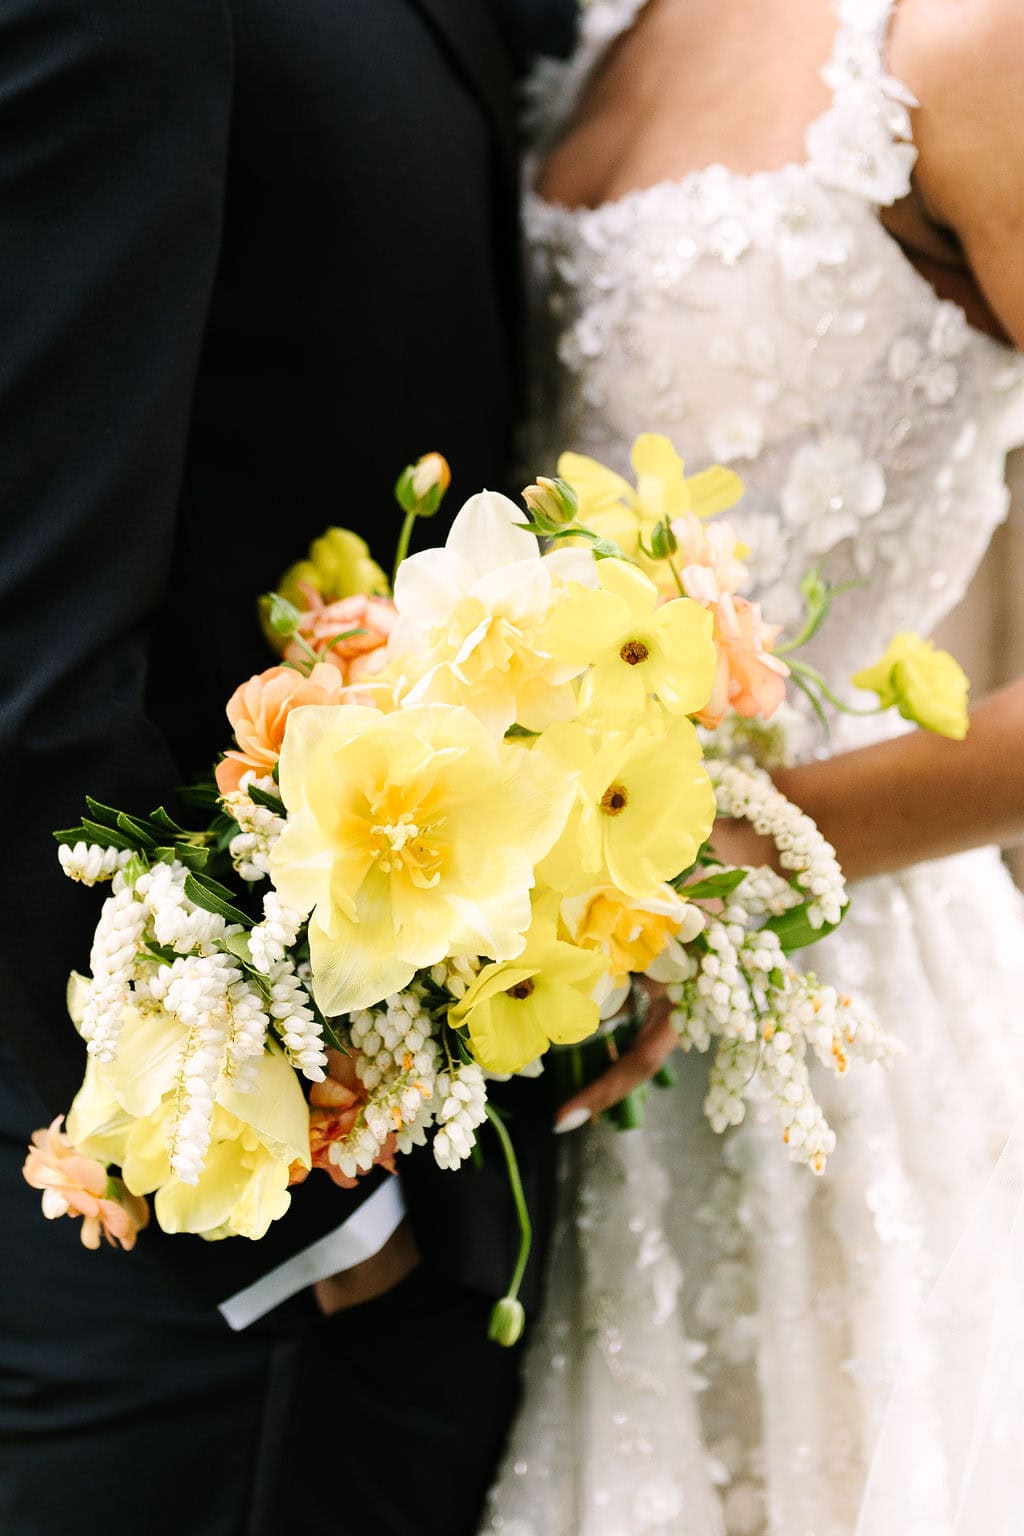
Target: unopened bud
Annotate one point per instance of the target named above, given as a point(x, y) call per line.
point(663, 541)
point(508, 1319)
point(552, 502)
point(421, 486)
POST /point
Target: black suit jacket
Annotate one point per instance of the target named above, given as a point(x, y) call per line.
point(255, 256)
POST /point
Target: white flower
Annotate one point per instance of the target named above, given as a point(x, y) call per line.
point(830, 490)
point(89, 864)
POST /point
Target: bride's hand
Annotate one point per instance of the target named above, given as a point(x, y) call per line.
point(648, 1053)
point(736, 843)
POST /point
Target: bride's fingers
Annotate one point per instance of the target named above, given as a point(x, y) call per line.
point(644, 1059)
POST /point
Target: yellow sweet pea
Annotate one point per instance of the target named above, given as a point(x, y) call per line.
point(636, 647)
point(410, 837)
point(616, 510)
point(515, 1010)
point(926, 685)
point(643, 807)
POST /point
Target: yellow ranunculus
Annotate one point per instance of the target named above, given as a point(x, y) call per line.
point(926, 685)
point(637, 648)
point(124, 1113)
point(410, 837)
point(613, 508)
point(514, 1010)
point(644, 806)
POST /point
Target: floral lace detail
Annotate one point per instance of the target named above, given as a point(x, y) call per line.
point(862, 412)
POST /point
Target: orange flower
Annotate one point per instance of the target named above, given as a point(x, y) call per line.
point(259, 710)
point(336, 1104)
point(74, 1185)
point(749, 680)
point(357, 656)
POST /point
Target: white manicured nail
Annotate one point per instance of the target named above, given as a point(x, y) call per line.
point(572, 1121)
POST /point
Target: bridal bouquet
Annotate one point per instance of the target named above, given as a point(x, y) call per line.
point(454, 827)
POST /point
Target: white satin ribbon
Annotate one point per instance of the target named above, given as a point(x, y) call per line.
point(360, 1237)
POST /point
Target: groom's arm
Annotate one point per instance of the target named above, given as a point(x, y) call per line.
point(113, 155)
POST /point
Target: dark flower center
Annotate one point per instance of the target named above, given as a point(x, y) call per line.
point(614, 800)
point(634, 652)
point(521, 990)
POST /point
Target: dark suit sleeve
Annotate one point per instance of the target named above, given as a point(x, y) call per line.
point(113, 132)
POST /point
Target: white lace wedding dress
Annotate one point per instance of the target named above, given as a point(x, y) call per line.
point(732, 1346)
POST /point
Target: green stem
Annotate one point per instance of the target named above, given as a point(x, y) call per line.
point(516, 1186)
point(403, 544)
point(678, 578)
point(815, 677)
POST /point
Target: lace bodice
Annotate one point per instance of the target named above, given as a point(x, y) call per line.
point(770, 322)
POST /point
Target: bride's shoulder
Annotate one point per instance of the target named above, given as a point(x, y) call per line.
point(964, 62)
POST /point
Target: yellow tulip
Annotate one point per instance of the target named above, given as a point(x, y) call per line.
point(514, 1010)
point(926, 685)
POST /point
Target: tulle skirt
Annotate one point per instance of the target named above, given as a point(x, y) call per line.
point(733, 1347)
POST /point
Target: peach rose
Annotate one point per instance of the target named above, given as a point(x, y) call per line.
point(358, 656)
point(74, 1185)
point(259, 710)
point(708, 557)
point(749, 680)
point(336, 1103)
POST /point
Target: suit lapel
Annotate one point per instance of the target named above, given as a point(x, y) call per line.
point(468, 30)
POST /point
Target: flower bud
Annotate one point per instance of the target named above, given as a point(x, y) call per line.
point(508, 1319)
point(553, 502)
point(421, 486)
point(663, 541)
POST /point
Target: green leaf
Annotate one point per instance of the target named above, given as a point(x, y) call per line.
point(204, 794)
point(131, 826)
point(192, 858)
point(210, 895)
point(795, 930)
point(106, 815)
point(518, 731)
point(713, 887)
point(160, 952)
point(265, 798)
point(108, 837)
point(164, 823)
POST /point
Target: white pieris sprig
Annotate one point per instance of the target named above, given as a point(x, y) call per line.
point(766, 1020)
point(90, 864)
point(259, 827)
point(115, 946)
point(744, 790)
point(296, 1023)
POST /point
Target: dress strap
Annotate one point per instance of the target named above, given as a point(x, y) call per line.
point(863, 142)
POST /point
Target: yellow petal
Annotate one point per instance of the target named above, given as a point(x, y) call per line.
point(713, 490)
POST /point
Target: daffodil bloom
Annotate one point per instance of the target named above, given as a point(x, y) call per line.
point(636, 646)
point(926, 685)
point(643, 807)
point(633, 934)
point(410, 837)
point(125, 1113)
point(471, 618)
point(616, 510)
point(515, 1010)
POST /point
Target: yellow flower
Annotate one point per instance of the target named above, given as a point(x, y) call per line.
point(643, 807)
point(339, 565)
point(516, 1009)
point(471, 620)
point(410, 837)
point(636, 647)
point(926, 685)
point(632, 934)
point(616, 510)
point(125, 1112)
